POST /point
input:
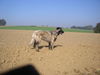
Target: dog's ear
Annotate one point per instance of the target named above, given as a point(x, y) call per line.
point(58, 28)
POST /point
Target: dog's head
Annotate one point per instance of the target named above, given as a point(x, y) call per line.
point(60, 31)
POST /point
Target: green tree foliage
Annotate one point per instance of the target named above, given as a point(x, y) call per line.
point(2, 22)
point(97, 28)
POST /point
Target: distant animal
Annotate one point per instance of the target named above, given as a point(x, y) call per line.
point(49, 36)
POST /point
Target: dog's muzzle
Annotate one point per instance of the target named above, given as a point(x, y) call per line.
point(61, 32)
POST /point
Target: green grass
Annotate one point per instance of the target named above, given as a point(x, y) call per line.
point(43, 28)
point(78, 30)
point(26, 28)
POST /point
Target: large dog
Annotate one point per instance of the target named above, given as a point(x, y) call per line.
point(48, 36)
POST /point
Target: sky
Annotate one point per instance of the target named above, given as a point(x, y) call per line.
point(64, 13)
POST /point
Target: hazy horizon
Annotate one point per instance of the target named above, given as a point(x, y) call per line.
point(65, 13)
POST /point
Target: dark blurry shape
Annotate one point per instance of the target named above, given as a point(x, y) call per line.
point(25, 70)
point(98, 72)
point(2, 22)
point(97, 28)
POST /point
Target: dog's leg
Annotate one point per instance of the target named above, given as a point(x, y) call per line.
point(34, 44)
point(37, 46)
point(52, 42)
point(50, 45)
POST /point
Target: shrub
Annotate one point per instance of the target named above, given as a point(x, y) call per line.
point(2, 22)
point(97, 28)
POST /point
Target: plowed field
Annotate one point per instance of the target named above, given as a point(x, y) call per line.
point(74, 53)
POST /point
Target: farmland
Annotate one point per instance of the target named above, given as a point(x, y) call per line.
point(74, 53)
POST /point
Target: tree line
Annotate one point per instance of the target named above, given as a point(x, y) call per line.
point(88, 27)
point(96, 29)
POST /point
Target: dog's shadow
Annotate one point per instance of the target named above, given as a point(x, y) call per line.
point(40, 47)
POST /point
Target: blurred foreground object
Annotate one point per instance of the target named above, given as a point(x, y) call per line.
point(25, 70)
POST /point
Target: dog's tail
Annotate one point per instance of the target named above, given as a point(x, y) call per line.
point(32, 41)
point(35, 38)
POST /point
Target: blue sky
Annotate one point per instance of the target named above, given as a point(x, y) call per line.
point(63, 13)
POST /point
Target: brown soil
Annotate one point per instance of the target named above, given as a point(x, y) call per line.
point(74, 53)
